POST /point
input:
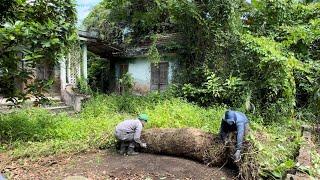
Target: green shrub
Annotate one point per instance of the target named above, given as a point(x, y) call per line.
point(177, 113)
point(27, 125)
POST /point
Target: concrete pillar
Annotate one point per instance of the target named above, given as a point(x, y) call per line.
point(69, 68)
point(78, 69)
point(84, 61)
point(63, 79)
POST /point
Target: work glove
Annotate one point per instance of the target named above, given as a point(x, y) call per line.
point(237, 156)
point(143, 145)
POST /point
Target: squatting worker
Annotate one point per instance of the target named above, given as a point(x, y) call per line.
point(128, 132)
point(234, 121)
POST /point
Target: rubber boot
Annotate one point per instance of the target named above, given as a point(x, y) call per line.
point(131, 151)
point(122, 150)
point(237, 156)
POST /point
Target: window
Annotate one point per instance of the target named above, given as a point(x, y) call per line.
point(159, 75)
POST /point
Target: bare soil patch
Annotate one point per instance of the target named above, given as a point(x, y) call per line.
point(110, 165)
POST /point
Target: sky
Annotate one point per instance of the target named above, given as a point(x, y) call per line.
point(84, 7)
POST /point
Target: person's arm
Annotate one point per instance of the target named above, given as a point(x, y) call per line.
point(240, 135)
point(137, 133)
point(223, 131)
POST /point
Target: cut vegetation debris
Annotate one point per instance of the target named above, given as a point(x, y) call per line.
point(201, 146)
point(37, 133)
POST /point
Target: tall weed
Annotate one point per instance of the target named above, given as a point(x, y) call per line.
point(36, 132)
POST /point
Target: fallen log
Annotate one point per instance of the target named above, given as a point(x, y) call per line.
point(190, 143)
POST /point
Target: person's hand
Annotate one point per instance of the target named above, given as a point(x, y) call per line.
point(237, 156)
point(226, 142)
point(144, 145)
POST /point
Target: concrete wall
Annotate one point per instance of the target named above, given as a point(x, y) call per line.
point(140, 69)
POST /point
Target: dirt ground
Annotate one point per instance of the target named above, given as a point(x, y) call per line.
point(110, 165)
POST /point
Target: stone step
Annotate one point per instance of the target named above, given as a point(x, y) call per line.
point(55, 101)
point(55, 106)
point(59, 109)
point(54, 109)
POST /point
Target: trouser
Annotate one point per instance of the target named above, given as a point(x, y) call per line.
point(126, 139)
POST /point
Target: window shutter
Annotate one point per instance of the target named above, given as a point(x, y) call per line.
point(154, 74)
point(163, 67)
point(159, 75)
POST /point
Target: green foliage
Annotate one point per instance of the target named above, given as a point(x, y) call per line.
point(276, 151)
point(153, 52)
point(126, 82)
point(275, 87)
point(216, 91)
point(315, 170)
point(99, 20)
point(177, 113)
point(31, 34)
point(98, 73)
point(83, 87)
point(9, 5)
point(35, 132)
point(24, 127)
point(124, 22)
point(272, 54)
point(38, 88)
point(283, 43)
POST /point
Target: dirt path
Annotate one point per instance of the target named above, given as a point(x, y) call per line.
point(109, 165)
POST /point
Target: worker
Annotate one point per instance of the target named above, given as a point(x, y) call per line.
point(128, 132)
point(234, 121)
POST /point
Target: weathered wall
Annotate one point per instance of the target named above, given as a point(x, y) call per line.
point(140, 69)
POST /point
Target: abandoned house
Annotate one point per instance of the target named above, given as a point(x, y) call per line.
point(147, 76)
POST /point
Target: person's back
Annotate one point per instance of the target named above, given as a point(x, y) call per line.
point(240, 117)
point(128, 132)
point(235, 117)
point(129, 126)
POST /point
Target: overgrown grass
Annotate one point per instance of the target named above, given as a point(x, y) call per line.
point(36, 132)
point(315, 170)
point(277, 146)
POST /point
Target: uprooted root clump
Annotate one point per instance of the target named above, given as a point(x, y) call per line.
point(200, 146)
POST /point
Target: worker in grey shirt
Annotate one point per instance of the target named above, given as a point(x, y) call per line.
point(128, 132)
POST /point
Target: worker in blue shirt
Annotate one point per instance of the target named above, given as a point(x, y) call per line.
point(234, 121)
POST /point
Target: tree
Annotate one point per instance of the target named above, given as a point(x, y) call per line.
point(32, 33)
point(231, 51)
